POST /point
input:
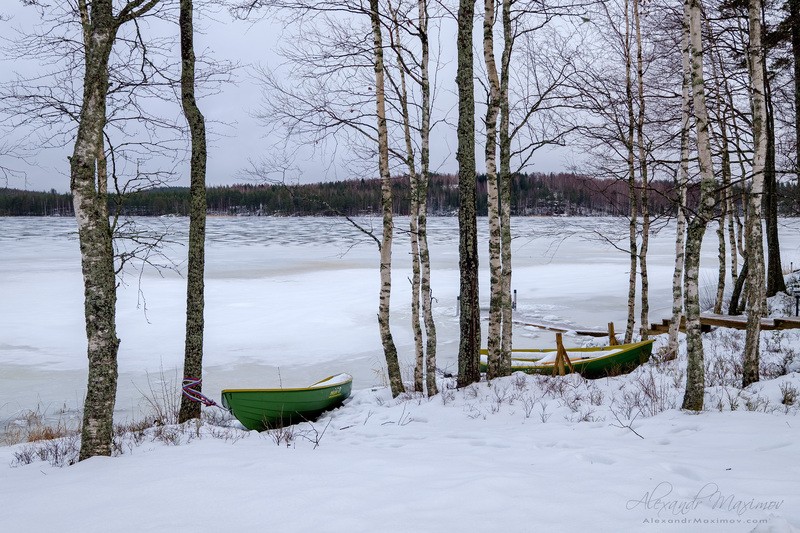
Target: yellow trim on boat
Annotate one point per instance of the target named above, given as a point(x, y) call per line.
point(309, 388)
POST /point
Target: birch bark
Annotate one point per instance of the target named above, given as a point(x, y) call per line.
point(753, 228)
point(632, 193)
point(88, 185)
point(695, 377)
point(424, 179)
point(644, 320)
point(389, 347)
point(682, 183)
point(494, 341)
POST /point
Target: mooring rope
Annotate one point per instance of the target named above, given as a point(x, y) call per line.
point(196, 395)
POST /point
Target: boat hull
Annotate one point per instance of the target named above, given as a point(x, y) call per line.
point(626, 358)
point(260, 409)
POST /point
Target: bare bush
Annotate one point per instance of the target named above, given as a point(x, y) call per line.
point(788, 393)
point(162, 398)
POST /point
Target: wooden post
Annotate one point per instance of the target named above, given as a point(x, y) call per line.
point(561, 358)
point(612, 338)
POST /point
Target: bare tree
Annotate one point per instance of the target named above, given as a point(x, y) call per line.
point(100, 25)
point(753, 232)
point(416, 68)
point(338, 93)
point(695, 371)
point(682, 181)
point(195, 292)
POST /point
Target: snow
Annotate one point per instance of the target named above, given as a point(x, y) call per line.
point(338, 379)
point(287, 304)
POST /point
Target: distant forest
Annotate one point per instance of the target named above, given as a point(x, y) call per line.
point(531, 194)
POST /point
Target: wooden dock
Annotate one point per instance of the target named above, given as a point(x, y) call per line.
point(709, 320)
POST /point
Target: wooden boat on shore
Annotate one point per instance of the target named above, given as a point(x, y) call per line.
point(262, 409)
point(591, 363)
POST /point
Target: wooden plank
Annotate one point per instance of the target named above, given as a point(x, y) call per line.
point(709, 320)
point(734, 322)
point(788, 322)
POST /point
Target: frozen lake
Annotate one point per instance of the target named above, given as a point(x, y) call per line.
point(292, 300)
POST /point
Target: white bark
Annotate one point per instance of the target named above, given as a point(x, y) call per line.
point(753, 233)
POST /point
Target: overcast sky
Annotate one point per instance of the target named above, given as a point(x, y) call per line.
point(236, 136)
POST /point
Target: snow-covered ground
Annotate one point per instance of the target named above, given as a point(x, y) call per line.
point(293, 300)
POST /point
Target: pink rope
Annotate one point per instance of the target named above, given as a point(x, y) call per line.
point(196, 395)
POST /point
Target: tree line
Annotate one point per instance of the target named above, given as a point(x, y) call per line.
point(532, 194)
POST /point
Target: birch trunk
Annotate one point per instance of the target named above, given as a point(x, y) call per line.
point(695, 377)
point(494, 341)
point(683, 179)
point(505, 186)
point(389, 348)
point(721, 260)
point(416, 323)
point(88, 185)
point(632, 202)
point(195, 289)
point(644, 323)
point(469, 321)
point(723, 147)
point(753, 231)
point(422, 228)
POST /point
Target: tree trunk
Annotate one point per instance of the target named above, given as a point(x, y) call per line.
point(389, 348)
point(721, 260)
point(89, 186)
point(416, 323)
point(505, 186)
point(645, 288)
point(723, 147)
point(794, 14)
point(422, 228)
point(735, 307)
point(682, 183)
point(775, 281)
point(632, 193)
point(695, 378)
point(753, 231)
point(496, 367)
point(94, 234)
point(195, 291)
point(470, 331)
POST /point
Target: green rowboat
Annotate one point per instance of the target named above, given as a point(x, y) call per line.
point(262, 409)
point(591, 363)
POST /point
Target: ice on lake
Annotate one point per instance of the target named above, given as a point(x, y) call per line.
point(292, 300)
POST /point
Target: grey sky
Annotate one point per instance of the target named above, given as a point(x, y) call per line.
point(236, 135)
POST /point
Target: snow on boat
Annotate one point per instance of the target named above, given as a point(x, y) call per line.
point(591, 363)
point(261, 409)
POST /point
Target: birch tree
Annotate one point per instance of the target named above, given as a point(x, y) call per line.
point(337, 93)
point(417, 70)
point(195, 292)
point(753, 232)
point(682, 181)
point(498, 365)
point(389, 347)
point(695, 371)
point(100, 26)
